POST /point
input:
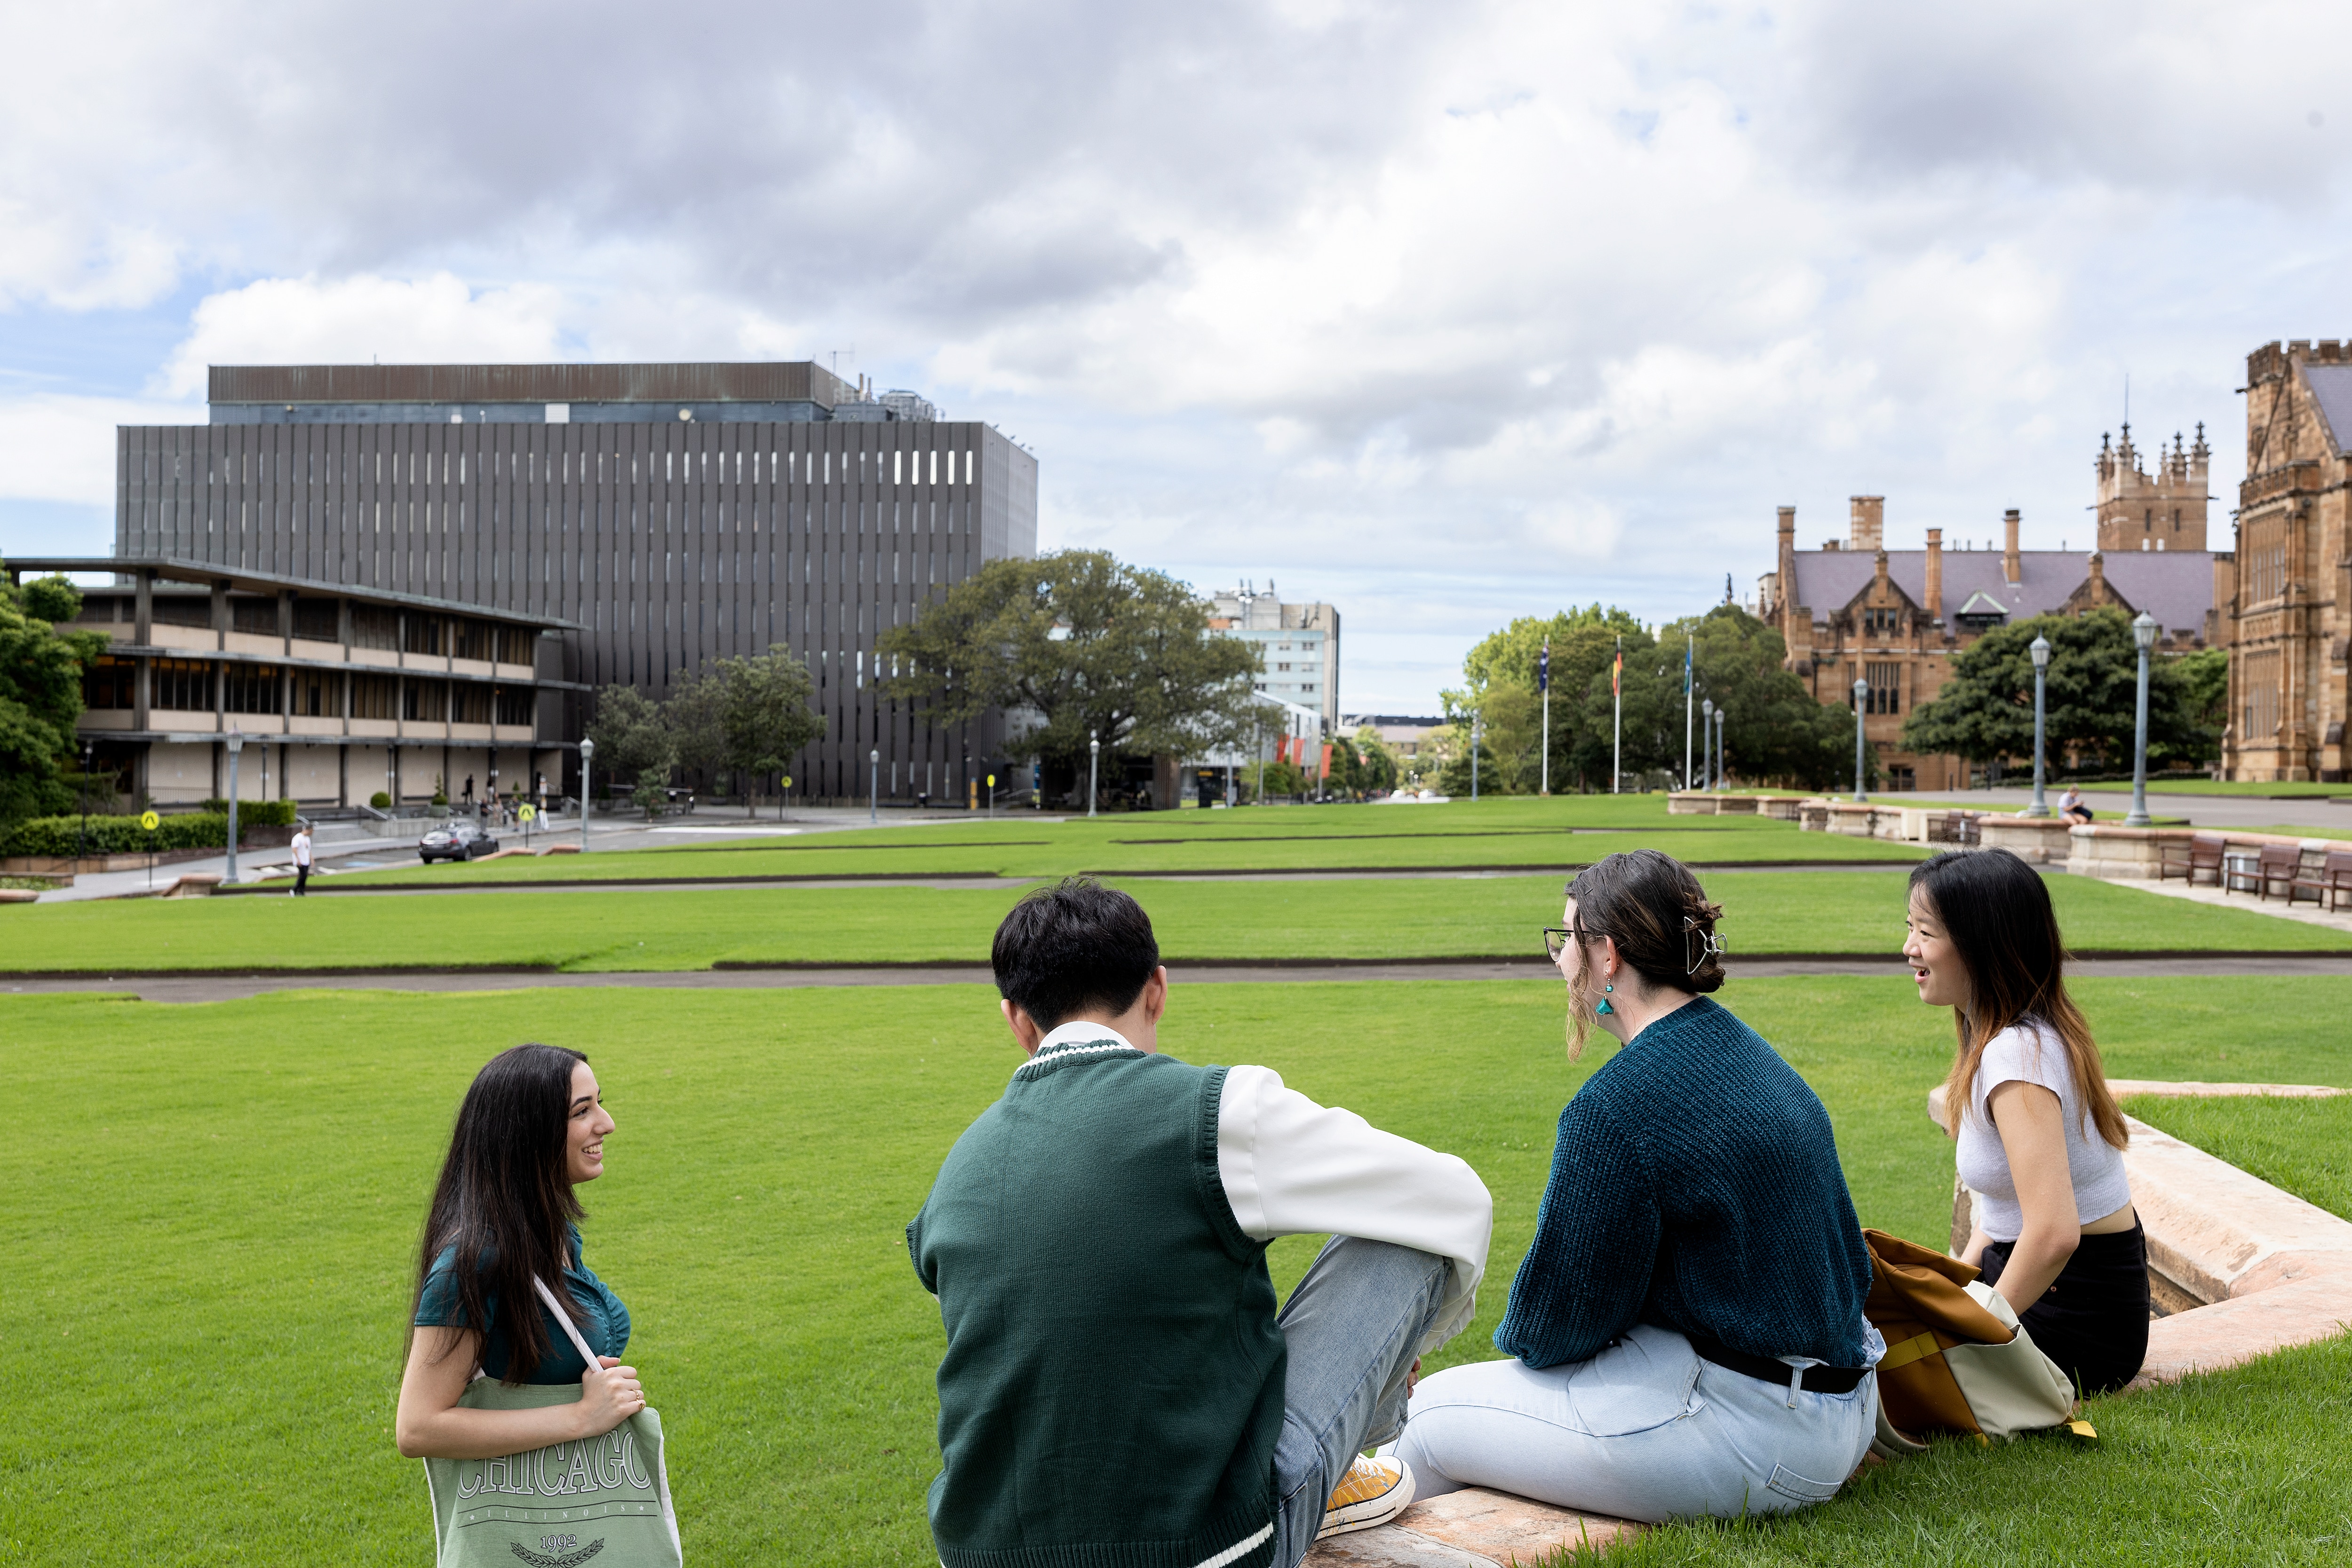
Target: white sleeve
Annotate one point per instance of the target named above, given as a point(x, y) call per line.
point(1291, 1167)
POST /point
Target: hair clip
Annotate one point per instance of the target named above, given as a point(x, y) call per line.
point(1704, 945)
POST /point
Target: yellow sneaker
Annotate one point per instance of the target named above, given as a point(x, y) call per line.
point(1373, 1491)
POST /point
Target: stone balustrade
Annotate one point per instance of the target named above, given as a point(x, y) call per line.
point(2136, 854)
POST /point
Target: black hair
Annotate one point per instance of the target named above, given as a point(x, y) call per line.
point(504, 1198)
point(1653, 907)
point(1997, 914)
point(1075, 947)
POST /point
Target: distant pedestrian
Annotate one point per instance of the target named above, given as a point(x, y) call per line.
point(301, 857)
point(469, 787)
point(2071, 804)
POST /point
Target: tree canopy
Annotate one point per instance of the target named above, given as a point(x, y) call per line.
point(40, 695)
point(1775, 730)
point(1072, 645)
point(1985, 709)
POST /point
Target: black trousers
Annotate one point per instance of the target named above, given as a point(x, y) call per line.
point(302, 879)
point(2093, 1320)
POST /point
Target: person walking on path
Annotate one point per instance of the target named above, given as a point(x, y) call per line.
point(2038, 1134)
point(1119, 1387)
point(1687, 1327)
point(302, 848)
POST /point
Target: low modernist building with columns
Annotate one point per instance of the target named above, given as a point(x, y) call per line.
point(1853, 609)
point(338, 692)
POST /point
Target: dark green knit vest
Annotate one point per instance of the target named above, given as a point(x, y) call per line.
point(1113, 1385)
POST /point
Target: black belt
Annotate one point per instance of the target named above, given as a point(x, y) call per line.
point(1817, 1379)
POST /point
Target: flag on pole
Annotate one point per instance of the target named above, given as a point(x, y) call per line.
point(1617, 675)
point(1543, 667)
point(1687, 668)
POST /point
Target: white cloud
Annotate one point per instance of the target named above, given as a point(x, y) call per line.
point(59, 447)
point(434, 319)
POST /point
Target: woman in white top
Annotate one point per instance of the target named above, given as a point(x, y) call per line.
point(2040, 1138)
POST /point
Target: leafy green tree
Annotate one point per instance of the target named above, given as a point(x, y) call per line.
point(631, 741)
point(1073, 646)
point(1363, 766)
point(766, 712)
point(1985, 709)
point(694, 711)
point(40, 695)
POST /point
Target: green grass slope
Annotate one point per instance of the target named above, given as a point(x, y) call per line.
point(1766, 912)
point(213, 1218)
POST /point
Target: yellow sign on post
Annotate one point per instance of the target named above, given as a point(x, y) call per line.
point(150, 821)
point(527, 813)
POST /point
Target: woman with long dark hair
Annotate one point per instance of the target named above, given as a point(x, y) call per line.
point(1687, 1327)
point(504, 1221)
point(2039, 1138)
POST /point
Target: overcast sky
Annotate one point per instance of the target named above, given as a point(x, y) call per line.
point(1444, 313)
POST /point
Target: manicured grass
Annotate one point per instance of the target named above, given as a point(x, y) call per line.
point(1564, 830)
point(212, 1214)
point(2162, 785)
point(2302, 1145)
point(693, 928)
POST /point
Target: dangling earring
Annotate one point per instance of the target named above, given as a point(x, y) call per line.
point(1603, 1007)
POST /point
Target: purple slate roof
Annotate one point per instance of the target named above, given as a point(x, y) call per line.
point(2175, 586)
point(2332, 386)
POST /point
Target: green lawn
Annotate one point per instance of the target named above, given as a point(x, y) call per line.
point(1564, 830)
point(212, 1215)
point(693, 928)
point(2303, 1145)
point(2162, 785)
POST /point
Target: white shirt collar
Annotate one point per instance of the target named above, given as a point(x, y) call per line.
point(1080, 1039)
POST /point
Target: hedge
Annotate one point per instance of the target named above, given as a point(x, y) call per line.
point(116, 835)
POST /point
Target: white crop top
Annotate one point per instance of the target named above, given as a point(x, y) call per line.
point(2032, 1052)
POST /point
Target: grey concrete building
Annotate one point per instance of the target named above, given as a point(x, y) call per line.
point(670, 514)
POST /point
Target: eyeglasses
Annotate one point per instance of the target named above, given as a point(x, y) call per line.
point(1557, 938)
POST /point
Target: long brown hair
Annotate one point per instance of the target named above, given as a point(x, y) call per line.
point(1662, 922)
point(1995, 913)
point(505, 1198)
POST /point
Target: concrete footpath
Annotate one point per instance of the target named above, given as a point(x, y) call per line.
point(2250, 812)
point(226, 985)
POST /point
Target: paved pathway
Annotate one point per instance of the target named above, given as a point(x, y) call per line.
point(2301, 913)
point(2197, 810)
point(226, 985)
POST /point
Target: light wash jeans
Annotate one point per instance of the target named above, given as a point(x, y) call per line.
point(1644, 1430)
point(1352, 1327)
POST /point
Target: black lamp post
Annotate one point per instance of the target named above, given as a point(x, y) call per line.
point(2040, 652)
point(81, 850)
point(2144, 630)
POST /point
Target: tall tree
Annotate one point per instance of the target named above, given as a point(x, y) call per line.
point(765, 714)
point(631, 741)
point(1075, 645)
point(1985, 709)
point(40, 695)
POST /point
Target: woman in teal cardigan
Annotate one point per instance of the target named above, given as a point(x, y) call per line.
point(1686, 1329)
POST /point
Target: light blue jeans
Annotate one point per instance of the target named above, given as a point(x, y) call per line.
point(1351, 1327)
point(1644, 1430)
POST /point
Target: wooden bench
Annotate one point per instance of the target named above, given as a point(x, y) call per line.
point(2200, 857)
point(2332, 881)
point(2280, 867)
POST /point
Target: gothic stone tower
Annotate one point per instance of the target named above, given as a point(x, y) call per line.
point(2164, 510)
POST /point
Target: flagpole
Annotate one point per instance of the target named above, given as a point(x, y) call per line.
point(1691, 642)
point(1617, 720)
point(1543, 684)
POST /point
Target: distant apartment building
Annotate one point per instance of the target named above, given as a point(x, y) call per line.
point(660, 515)
point(1298, 645)
point(1853, 609)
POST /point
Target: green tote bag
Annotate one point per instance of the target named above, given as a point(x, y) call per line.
point(601, 1501)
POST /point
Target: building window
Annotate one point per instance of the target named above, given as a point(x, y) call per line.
point(249, 687)
point(311, 697)
point(183, 685)
point(181, 610)
point(314, 620)
point(424, 701)
point(374, 696)
point(470, 702)
point(515, 705)
point(255, 617)
point(2265, 560)
point(1886, 687)
point(2260, 699)
point(110, 683)
point(425, 636)
point(375, 627)
point(1879, 623)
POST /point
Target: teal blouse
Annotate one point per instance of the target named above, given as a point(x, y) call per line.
point(606, 1329)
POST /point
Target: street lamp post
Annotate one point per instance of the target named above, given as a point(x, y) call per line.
point(1475, 719)
point(81, 850)
point(1722, 718)
point(1094, 770)
point(1705, 739)
point(236, 744)
point(2041, 651)
point(587, 750)
point(1861, 704)
point(874, 786)
point(2144, 639)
